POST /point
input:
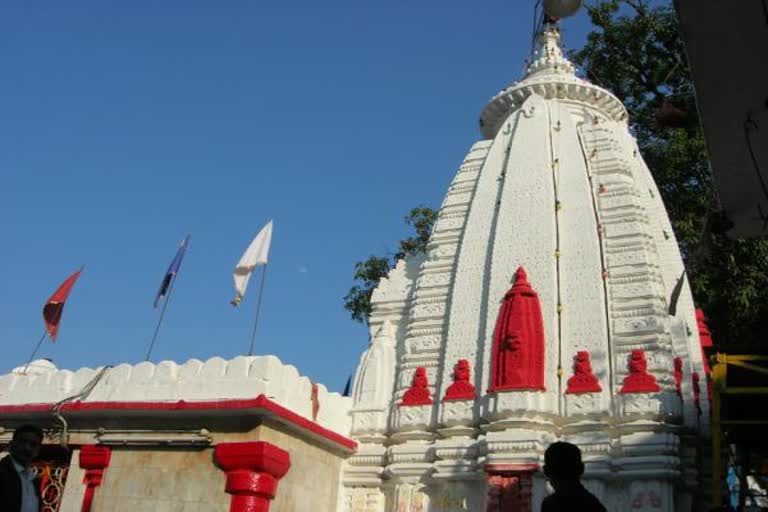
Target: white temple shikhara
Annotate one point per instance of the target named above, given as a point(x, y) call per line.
point(545, 297)
point(551, 305)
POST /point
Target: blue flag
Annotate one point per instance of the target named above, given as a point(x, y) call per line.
point(173, 269)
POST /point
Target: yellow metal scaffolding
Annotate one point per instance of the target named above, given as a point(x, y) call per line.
point(720, 388)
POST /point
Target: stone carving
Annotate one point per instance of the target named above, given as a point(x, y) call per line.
point(518, 345)
point(375, 377)
point(696, 390)
point(679, 376)
point(461, 389)
point(639, 380)
point(583, 380)
point(457, 412)
point(646, 500)
point(418, 393)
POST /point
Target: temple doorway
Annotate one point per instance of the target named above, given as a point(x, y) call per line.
point(509, 491)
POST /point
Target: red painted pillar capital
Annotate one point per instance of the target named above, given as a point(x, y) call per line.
point(253, 470)
point(94, 460)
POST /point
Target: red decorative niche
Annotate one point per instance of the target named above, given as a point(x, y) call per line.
point(418, 393)
point(679, 376)
point(518, 341)
point(253, 470)
point(639, 380)
point(461, 389)
point(94, 460)
point(583, 380)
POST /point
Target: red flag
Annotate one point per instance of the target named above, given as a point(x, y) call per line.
point(55, 306)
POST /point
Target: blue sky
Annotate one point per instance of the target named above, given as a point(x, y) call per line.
point(124, 127)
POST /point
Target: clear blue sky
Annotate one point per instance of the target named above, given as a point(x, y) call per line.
point(124, 127)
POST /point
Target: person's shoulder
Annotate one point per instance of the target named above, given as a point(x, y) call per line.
point(7, 471)
point(549, 503)
point(6, 463)
point(594, 504)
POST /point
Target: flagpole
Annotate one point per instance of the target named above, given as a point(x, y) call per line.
point(258, 309)
point(34, 353)
point(162, 314)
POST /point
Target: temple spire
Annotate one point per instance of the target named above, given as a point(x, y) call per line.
point(548, 57)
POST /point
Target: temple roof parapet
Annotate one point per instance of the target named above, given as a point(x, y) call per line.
point(193, 381)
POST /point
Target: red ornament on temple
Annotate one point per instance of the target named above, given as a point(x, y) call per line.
point(461, 389)
point(679, 376)
point(639, 380)
point(418, 393)
point(705, 336)
point(518, 342)
point(705, 339)
point(583, 380)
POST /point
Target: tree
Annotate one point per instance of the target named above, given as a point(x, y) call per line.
point(368, 273)
point(636, 51)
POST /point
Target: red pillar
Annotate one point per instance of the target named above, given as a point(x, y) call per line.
point(253, 470)
point(94, 460)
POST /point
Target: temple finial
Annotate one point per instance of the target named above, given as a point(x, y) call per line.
point(548, 57)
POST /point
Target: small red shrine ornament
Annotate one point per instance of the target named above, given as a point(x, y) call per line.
point(518, 342)
point(583, 380)
point(418, 393)
point(639, 380)
point(461, 389)
point(679, 376)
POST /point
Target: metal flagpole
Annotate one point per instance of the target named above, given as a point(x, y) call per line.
point(258, 309)
point(34, 353)
point(162, 314)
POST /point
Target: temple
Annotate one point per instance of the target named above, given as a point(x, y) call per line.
point(551, 304)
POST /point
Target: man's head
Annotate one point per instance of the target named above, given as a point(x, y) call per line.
point(25, 444)
point(562, 463)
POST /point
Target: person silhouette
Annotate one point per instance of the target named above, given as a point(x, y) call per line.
point(563, 467)
point(19, 487)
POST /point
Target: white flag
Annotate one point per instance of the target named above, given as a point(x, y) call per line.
point(255, 255)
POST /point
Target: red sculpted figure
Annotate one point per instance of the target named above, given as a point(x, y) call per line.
point(418, 393)
point(461, 389)
point(518, 341)
point(583, 380)
point(639, 380)
point(679, 376)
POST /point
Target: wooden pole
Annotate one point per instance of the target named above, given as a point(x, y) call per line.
point(258, 309)
point(34, 352)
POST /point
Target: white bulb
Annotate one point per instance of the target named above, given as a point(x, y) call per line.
point(561, 8)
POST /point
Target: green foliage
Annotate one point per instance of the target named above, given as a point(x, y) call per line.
point(635, 51)
point(369, 272)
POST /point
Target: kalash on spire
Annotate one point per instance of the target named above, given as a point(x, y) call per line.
point(545, 291)
point(540, 313)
